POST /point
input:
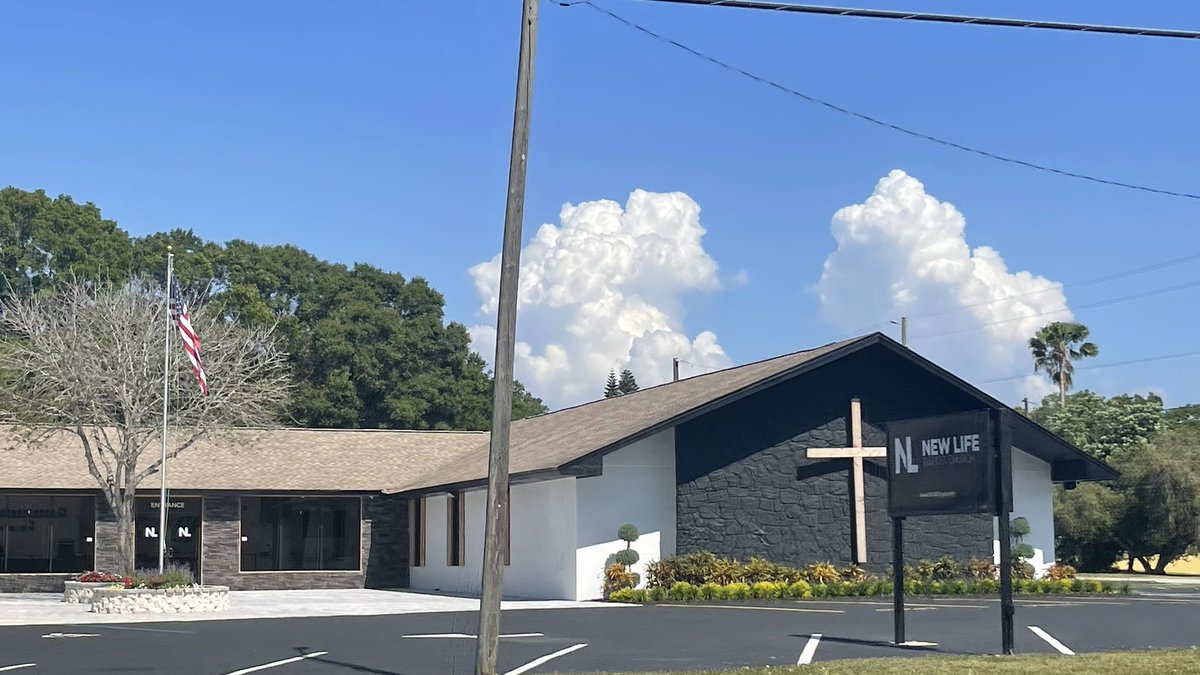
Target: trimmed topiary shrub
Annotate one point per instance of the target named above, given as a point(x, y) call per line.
point(628, 533)
point(627, 557)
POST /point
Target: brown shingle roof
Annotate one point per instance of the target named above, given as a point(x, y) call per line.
point(279, 459)
point(550, 441)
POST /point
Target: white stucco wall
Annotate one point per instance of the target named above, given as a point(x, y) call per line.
point(638, 487)
point(1033, 499)
point(542, 544)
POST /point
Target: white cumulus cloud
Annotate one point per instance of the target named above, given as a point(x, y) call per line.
point(903, 252)
point(604, 290)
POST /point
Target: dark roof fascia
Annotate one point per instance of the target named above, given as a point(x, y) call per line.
point(748, 390)
point(1099, 470)
point(585, 470)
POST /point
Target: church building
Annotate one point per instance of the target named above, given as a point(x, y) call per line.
point(780, 459)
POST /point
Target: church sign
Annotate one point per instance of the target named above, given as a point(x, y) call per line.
point(941, 465)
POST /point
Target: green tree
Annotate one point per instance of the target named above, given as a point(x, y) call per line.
point(1056, 348)
point(1183, 417)
point(611, 389)
point(1103, 427)
point(627, 383)
point(43, 239)
point(1161, 486)
point(1085, 526)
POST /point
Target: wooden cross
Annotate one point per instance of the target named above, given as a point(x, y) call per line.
point(856, 452)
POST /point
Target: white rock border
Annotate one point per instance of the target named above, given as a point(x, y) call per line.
point(160, 600)
point(80, 592)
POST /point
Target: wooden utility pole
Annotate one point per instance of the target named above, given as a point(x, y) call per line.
point(495, 530)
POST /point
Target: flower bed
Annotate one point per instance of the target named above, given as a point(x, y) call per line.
point(683, 591)
point(160, 600)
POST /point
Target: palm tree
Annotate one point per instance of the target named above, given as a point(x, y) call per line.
point(1055, 349)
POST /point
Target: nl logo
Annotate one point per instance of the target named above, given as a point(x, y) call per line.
point(903, 455)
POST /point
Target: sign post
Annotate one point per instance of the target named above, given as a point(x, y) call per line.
point(951, 464)
point(1003, 461)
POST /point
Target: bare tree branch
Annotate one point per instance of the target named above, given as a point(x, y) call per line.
point(88, 360)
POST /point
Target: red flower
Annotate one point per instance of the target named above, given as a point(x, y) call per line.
point(128, 582)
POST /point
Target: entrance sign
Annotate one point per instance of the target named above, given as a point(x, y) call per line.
point(941, 465)
point(960, 463)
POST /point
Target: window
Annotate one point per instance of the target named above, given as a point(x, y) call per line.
point(455, 540)
point(300, 533)
point(416, 532)
point(47, 534)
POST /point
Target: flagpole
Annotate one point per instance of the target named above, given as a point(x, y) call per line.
point(162, 469)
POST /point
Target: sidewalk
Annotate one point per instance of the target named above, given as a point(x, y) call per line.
point(1143, 579)
point(33, 609)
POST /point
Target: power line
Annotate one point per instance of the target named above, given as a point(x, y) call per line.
point(1092, 305)
point(868, 118)
point(1074, 284)
point(1166, 357)
point(944, 18)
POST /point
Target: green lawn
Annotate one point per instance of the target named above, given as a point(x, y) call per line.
point(1117, 663)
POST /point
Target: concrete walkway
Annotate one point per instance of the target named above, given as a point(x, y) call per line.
point(1149, 579)
point(36, 609)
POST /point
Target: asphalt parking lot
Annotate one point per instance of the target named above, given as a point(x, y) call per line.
point(652, 638)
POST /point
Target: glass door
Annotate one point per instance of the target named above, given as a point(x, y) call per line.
point(184, 525)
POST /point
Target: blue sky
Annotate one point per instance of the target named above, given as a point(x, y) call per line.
point(379, 132)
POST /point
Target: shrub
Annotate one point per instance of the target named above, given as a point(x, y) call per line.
point(1126, 589)
point(724, 571)
point(1078, 586)
point(174, 575)
point(659, 574)
point(766, 590)
point(1094, 586)
point(956, 587)
point(1058, 572)
point(738, 591)
point(1022, 551)
point(986, 586)
point(822, 573)
point(711, 591)
point(627, 533)
point(616, 577)
point(946, 568)
point(854, 573)
point(1022, 569)
point(982, 568)
point(694, 568)
point(799, 589)
point(820, 590)
point(1019, 527)
point(99, 577)
point(657, 594)
point(627, 557)
point(631, 595)
point(682, 591)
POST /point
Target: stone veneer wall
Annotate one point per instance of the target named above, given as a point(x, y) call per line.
point(384, 534)
point(745, 487)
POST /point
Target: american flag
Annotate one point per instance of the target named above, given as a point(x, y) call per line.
point(191, 342)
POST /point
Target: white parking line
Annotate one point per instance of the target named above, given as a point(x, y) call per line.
point(810, 650)
point(470, 637)
point(18, 666)
point(1050, 640)
point(542, 659)
point(273, 664)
